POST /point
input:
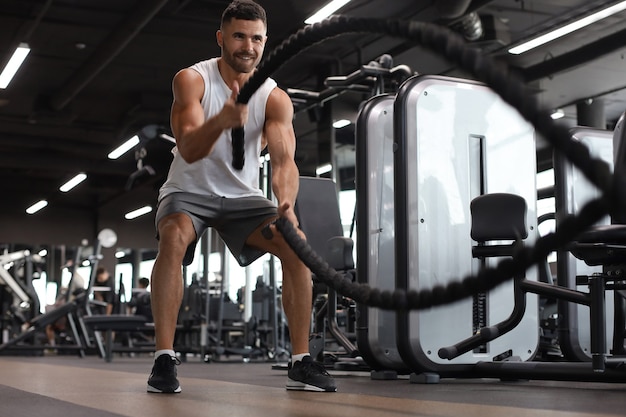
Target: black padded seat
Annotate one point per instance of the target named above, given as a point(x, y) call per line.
point(52, 316)
point(115, 323)
point(601, 245)
point(614, 234)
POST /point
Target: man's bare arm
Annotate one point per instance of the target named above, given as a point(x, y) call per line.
point(195, 136)
point(281, 142)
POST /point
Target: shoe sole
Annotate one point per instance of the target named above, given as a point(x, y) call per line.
point(154, 390)
point(301, 386)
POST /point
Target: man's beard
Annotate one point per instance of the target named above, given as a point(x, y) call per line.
point(242, 66)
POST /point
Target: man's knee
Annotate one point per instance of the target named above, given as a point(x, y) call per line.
point(287, 256)
point(176, 231)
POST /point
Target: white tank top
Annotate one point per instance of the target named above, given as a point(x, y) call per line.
point(214, 174)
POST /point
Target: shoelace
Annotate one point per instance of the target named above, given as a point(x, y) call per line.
point(172, 363)
point(310, 367)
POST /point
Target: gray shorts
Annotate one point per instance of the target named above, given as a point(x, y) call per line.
point(233, 218)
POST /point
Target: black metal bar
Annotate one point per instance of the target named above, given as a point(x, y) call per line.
point(333, 327)
point(597, 316)
point(551, 371)
point(561, 293)
point(489, 333)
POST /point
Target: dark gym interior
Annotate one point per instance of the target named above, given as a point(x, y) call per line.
point(100, 72)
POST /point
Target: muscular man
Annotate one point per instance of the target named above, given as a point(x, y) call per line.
point(203, 189)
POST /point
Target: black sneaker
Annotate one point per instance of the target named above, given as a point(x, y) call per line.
point(308, 375)
point(163, 377)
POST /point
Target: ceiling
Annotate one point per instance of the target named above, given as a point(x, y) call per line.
point(100, 71)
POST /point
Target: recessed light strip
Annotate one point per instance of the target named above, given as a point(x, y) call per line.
point(567, 29)
point(326, 11)
point(323, 169)
point(557, 114)
point(36, 207)
point(73, 182)
point(167, 137)
point(125, 147)
point(139, 212)
point(14, 64)
point(341, 123)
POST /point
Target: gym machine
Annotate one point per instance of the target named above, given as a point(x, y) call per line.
point(456, 140)
point(69, 311)
point(572, 191)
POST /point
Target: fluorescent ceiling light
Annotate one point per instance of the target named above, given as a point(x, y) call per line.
point(136, 213)
point(73, 182)
point(14, 64)
point(125, 147)
point(43, 252)
point(557, 114)
point(326, 11)
point(120, 254)
point(36, 207)
point(323, 169)
point(341, 123)
point(167, 137)
point(569, 28)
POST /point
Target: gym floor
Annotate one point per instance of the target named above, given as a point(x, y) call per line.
point(69, 386)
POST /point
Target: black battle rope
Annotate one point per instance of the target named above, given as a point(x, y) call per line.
point(512, 90)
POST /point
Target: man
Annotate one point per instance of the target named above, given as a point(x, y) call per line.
point(203, 189)
point(140, 304)
point(104, 292)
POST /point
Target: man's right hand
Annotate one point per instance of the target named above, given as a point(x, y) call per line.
point(233, 114)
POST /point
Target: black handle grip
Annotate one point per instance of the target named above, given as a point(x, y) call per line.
point(486, 334)
point(238, 148)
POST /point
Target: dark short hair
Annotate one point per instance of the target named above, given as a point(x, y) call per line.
point(144, 281)
point(244, 10)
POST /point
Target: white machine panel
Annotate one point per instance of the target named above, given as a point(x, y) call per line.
point(376, 328)
point(457, 139)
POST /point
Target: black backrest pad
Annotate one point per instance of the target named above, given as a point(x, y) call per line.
point(498, 216)
point(317, 208)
